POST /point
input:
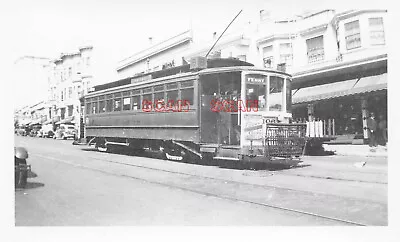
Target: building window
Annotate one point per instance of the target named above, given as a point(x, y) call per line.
point(286, 54)
point(376, 31)
point(87, 61)
point(70, 92)
point(268, 57)
point(70, 71)
point(352, 34)
point(70, 110)
point(315, 49)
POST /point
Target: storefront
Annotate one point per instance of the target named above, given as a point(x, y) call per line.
point(343, 106)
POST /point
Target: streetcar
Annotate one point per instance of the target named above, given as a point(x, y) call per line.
point(210, 109)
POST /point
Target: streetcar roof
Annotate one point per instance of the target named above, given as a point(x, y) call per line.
point(125, 83)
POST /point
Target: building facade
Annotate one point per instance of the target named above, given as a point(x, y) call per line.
point(344, 75)
point(338, 62)
point(165, 54)
point(70, 77)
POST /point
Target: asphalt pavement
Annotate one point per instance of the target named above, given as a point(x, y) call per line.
point(76, 185)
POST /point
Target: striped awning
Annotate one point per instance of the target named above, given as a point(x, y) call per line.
point(340, 89)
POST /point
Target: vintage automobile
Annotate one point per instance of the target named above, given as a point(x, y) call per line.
point(21, 168)
point(47, 131)
point(65, 131)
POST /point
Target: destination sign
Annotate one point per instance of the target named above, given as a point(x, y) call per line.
point(140, 79)
point(255, 79)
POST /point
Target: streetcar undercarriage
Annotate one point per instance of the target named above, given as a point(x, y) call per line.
point(189, 152)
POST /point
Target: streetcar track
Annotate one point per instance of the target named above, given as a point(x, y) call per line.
point(334, 178)
point(281, 174)
point(208, 193)
point(230, 181)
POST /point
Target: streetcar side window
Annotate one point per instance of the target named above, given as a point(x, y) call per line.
point(187, 91)
point(275, 94)
point(94, 107)
point(135, 102)
point(158, 94)
point(187, 95)
point(109, 105)
point(172, 93)
point(147, 101)
point(102, 106)
point(88, 108)
point(135, 99)
point(126, 103)
point(117, 104)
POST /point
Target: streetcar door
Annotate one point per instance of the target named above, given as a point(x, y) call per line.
point(219, 113)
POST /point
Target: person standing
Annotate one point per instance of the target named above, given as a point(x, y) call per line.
point(372, 127)
point(382, 126)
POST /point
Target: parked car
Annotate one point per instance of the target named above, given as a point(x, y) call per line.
point(47, 131)
point(21, 168)
point(65, 131)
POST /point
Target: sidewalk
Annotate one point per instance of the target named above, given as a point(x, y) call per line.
point(357, 150)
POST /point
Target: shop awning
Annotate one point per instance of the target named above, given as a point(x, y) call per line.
point(47, 122)
point(35, 122)
point(25, 122)
point(340, 89)
point(67, 120)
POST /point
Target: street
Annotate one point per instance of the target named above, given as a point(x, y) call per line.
point(74, 185)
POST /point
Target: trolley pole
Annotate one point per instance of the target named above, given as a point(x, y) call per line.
point(223, 33)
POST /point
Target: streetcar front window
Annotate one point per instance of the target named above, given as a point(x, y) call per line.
point(256, 92)
point(276, 98)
